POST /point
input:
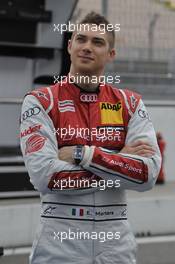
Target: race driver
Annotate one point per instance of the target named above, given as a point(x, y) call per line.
point(78, 131)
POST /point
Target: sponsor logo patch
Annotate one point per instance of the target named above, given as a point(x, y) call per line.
point(41, 94)
point(88, 98)
point(66, 106)
point(30, 130)
point(133, 101)
point(30, 112)
point(143, 114)
point(111, 113)
point(49, 210)
point(124, 212)
point(34, 143)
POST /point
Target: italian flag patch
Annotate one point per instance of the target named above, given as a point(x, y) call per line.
point(77, 211)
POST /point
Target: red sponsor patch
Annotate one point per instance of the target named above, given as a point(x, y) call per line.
point(34, 143)
point(30, 130)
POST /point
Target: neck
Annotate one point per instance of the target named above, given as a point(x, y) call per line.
point(87, 82)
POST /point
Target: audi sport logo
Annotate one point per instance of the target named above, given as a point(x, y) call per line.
point(90, 98)
point(34, 143)
point(30, 112)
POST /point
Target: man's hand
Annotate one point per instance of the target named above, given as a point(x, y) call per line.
point(66, 153)
point(140, 148)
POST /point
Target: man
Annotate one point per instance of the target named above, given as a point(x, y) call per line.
point(84, 143)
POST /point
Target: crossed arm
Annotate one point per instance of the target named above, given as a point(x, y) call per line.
point(137, 165)
point(139, 147)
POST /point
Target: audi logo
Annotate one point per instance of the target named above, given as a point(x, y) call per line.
point(30, 112)
point(88, 98)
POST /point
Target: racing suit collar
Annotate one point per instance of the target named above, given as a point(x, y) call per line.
point(96, 90)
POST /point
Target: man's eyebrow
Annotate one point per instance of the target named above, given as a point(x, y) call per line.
point(94, 38)
point(97, 38)
point(80, 35)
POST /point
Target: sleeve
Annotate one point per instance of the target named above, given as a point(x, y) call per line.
point(40, 152)
point(133, 171)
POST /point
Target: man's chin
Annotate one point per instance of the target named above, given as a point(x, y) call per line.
point(85, 69)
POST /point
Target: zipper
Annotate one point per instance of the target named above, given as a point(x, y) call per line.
point(93, 194)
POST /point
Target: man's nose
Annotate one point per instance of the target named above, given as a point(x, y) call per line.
point(87, 47)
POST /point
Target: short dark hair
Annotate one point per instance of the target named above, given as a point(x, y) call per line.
point(97, 19)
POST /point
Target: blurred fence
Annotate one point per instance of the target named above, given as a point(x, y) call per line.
point(147, 27)
point(145, 44)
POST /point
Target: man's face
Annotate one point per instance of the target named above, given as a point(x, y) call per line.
point(89, 51)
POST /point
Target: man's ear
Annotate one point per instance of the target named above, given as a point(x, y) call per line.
point(112, 55)
point(69, 46)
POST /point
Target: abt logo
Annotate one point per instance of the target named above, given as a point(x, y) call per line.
point(88, 98)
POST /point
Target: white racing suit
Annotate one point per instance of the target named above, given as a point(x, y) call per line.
point(86, 224)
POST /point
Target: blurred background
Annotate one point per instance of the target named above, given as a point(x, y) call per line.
point(32, 52)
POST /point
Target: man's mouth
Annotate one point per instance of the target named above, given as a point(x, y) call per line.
point(86, 57)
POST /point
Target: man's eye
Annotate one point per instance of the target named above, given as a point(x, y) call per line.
point(80, 39)
point(98, 43)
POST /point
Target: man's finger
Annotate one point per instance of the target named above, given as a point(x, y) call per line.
point(144, 147)
point(145, 151)
point(139, 143)
point(147, 155)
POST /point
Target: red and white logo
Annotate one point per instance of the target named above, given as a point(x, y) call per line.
point(89, 98)
point(133, 101)
point(30, 130)
point(34, 143)
point(41, 94)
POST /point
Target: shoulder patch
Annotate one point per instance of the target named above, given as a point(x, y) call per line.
point(133, 99)
point(44, 96)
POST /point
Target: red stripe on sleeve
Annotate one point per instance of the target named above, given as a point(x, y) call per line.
point(135, 169)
